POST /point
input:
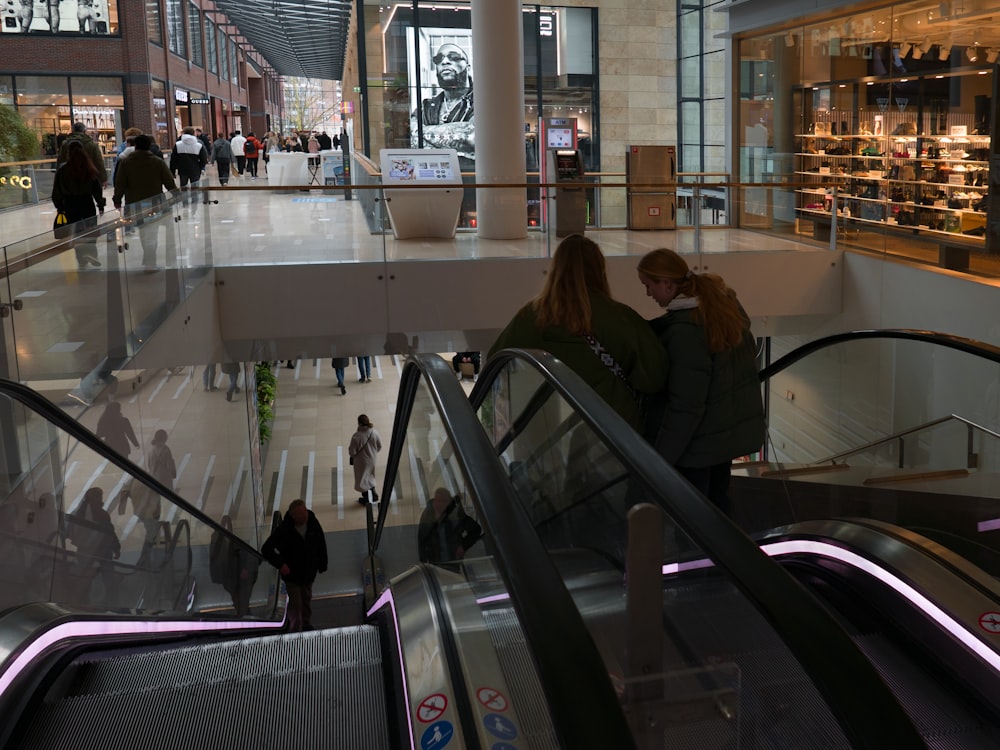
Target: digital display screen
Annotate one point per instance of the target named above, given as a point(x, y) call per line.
point(559, 137)
point(403, 168)
point(568, 165)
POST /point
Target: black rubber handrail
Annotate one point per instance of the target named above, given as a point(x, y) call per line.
point(561, 647)
point(958, 343)
point(866, 709)
point(49, 411)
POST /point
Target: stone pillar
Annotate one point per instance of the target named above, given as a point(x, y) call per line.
point(498, 81)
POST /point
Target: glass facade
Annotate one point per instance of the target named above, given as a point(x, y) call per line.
point(879, 120)
point(176, 38)
point(51, 104)
point(194, 24)
point(210, 49)
point(427, 70)
point(153, 20)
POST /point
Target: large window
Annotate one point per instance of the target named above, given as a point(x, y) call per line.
point(153, 31)
point(234, 63)
point(213, 62)
point(194, 24)
point(223, 56)
point(161, 132)
point(176, 38)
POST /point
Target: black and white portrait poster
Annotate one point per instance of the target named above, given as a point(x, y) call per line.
point(443, 106)
point(57, 17)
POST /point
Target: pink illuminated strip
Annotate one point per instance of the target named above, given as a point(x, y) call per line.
point(92, 628)
point(798, 546)
point(494, 598)
point(384, 600)
point(991, 525)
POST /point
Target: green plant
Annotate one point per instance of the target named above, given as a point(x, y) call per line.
point(17, 141)
point(267, 387)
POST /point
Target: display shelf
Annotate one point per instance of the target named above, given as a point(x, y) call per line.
point(927, 184)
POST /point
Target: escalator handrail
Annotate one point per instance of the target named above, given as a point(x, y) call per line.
point(551, 623)
point(49, 411)
point(866, 709)
point(958, 343)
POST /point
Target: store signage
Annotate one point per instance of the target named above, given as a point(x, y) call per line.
point(199, 101)
point(347, 108)
point(180, 95)
point(546, 24)
point(16, 181)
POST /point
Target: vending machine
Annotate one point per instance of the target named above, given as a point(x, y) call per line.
point(653, 207)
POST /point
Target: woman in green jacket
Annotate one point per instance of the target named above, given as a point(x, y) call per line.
point(711, 410)
point(605, 342)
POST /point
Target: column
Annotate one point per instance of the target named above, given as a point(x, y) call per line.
point(498, 80)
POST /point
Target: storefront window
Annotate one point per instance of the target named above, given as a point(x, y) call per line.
point(161, 133)
point(234, 66)
point(153, 31)
point(7, 90)
point(100, 105)
point(888, 108)
point(194, 24)
point(46, 90)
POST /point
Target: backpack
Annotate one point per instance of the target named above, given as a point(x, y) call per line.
point(248, 148)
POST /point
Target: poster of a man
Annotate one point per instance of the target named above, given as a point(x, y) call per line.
point(447, 113)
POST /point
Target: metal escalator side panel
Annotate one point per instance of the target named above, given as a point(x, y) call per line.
point(956, 620)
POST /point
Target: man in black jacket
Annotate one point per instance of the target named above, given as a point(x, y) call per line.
point(297, 548)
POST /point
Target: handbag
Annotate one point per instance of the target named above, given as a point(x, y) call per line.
point(61, 226)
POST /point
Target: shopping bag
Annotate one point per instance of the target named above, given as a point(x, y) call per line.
point(61, 226)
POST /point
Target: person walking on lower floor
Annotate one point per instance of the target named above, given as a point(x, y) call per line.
point(297, 548)
point(365, 369)
point(363, 449)
point(339, 365)
point(222, 157)
point(232, 369)
point(237, 142)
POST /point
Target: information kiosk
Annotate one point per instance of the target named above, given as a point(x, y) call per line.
point(428, 212)
point(568, 208)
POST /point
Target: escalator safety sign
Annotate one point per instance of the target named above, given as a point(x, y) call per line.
point(431, 707)
point(500, 726)
point(990, 622)
point(437, 735)
point(492, 700)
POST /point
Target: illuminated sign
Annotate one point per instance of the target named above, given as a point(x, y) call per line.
point(546, 24)
point(199, 101)
point(180, 95)
point(16, 181)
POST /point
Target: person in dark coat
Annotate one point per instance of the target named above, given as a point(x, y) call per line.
point(187, 162)
point(221, 155)
point(711, 410)
point(445, 532)
point(77, 193)
point(297, 548)
point(139, 181)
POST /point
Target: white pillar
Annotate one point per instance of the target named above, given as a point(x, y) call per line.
point(498, 82)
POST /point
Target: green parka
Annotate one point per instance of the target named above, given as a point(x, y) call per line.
point(711, 410)
point(620, 330)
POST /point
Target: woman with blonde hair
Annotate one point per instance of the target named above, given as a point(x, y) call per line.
point(605, 342)
point(711, 410)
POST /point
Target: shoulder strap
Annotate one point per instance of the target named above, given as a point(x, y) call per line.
point(608, 360)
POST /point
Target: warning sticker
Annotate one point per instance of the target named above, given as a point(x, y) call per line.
point(432, 707)
point(492, 699)
point(990, 622)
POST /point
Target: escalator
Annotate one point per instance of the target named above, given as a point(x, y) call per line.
point(606, 605)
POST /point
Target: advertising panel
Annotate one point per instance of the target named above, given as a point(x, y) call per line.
point(58, 17)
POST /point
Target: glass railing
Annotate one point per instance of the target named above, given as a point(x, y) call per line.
point(86, 530)
point(630, 540)
point(898, 426)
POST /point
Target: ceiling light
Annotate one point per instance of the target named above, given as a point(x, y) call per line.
point(789, 39)
point(917, 53)
point(944, 52)
point(904, 49)
point(972, 53)
point(991, 55)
